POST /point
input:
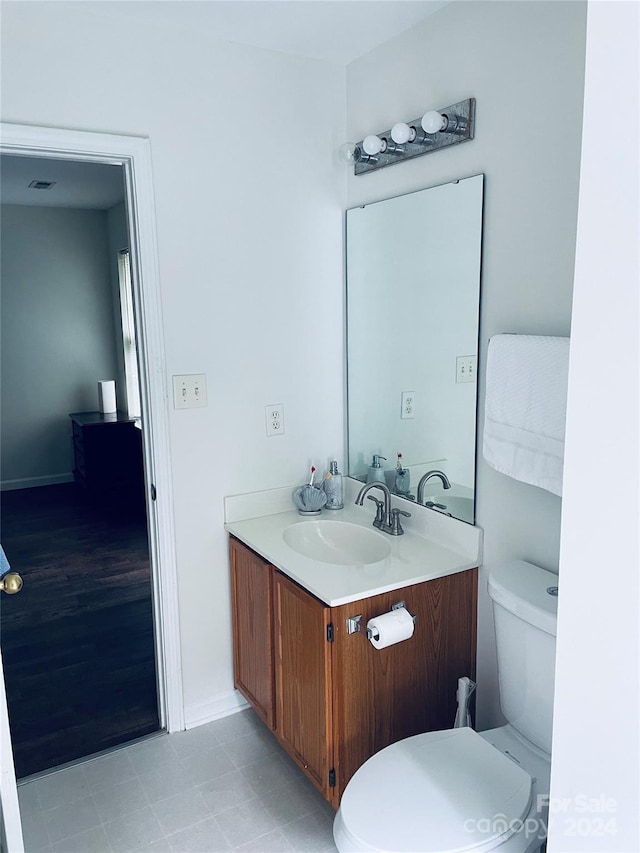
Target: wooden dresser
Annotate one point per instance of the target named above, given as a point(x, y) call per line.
point(108, 459)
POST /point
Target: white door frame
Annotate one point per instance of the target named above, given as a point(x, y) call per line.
point(134, 155)
point(10, 823)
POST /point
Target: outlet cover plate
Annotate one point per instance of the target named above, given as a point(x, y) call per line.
point(408, 409)
point(274, 417)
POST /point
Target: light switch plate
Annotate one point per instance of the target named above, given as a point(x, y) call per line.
point(190, 391)
point(466, 366)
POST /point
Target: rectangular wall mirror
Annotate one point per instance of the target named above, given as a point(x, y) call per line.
point(413, 297)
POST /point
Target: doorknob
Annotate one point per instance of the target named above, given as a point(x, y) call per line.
point(11, 583)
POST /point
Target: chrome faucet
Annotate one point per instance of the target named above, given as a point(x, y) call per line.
point(445, 483)
point(387, 519)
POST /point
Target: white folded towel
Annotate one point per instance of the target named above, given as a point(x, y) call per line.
point(526, 407)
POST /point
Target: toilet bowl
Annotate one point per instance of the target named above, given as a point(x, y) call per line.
point(459, 790)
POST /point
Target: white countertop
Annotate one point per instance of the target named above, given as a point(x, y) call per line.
point(432, 546)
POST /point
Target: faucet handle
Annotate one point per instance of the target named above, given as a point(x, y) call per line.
point(396, 527)
point(379, 520)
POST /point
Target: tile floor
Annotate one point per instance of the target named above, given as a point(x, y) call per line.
point(223, 786)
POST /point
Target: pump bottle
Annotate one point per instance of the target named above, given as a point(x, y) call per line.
point(333, 488)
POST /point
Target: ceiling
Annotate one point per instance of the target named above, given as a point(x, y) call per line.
point(94, 186)
point(332, 30)
point(337, 31)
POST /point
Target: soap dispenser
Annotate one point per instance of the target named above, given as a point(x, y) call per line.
point(333, 488)
point(403, 478)
point(375, 472)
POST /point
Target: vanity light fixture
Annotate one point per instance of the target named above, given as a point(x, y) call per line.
point(434, 130)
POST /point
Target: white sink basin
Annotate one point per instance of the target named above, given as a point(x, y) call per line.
point(337, 542)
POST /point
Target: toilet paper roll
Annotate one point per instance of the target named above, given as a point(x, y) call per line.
point(390, 628)
point(107, 395)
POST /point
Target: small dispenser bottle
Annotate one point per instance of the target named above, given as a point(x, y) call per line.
point(375, 472)
point(403, 478)
point(333, 488)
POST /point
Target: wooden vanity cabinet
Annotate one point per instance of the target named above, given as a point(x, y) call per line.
point(335, 700)
point(252, 614)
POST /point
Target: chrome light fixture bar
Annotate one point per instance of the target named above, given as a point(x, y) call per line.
point(434, 130)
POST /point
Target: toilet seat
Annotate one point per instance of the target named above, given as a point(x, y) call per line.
point(447, 792)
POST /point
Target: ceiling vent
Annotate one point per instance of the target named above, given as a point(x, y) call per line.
point(42, 185)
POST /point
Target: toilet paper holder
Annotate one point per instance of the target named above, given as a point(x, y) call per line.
point(354, 623)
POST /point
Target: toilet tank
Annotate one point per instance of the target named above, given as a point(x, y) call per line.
point(525, 625)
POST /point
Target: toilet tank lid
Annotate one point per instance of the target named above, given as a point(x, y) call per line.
point(521, 588)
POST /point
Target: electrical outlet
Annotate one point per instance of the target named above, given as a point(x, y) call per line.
point(408, 409)
point(190, 391)
point(274, 415)
point(466, 368)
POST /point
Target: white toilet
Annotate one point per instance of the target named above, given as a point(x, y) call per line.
point(460, 790)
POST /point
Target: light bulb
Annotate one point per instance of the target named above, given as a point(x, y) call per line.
point(372, 145)
point(433, 121)
point(347, 152)
point(402, 133)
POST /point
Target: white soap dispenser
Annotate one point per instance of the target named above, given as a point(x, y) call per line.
point(375, 472)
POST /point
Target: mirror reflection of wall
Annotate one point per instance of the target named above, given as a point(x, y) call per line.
point(413, 285)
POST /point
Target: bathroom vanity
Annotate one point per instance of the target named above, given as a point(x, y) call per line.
point(301, 587)
point(331, 698)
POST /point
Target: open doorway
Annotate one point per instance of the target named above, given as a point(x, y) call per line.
point(132, 563)
point(78, 642)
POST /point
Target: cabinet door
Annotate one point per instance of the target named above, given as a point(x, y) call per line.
point(252, 608)
point(303, 680)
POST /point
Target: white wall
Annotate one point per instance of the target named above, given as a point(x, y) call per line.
point(248, 199)
point(523, 62)
point(595, 782)
point(57, 335)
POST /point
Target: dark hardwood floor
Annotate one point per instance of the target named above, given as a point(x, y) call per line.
point(77, 641)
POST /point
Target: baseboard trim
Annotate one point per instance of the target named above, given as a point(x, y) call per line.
point(34, 482)
point(215, 709)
